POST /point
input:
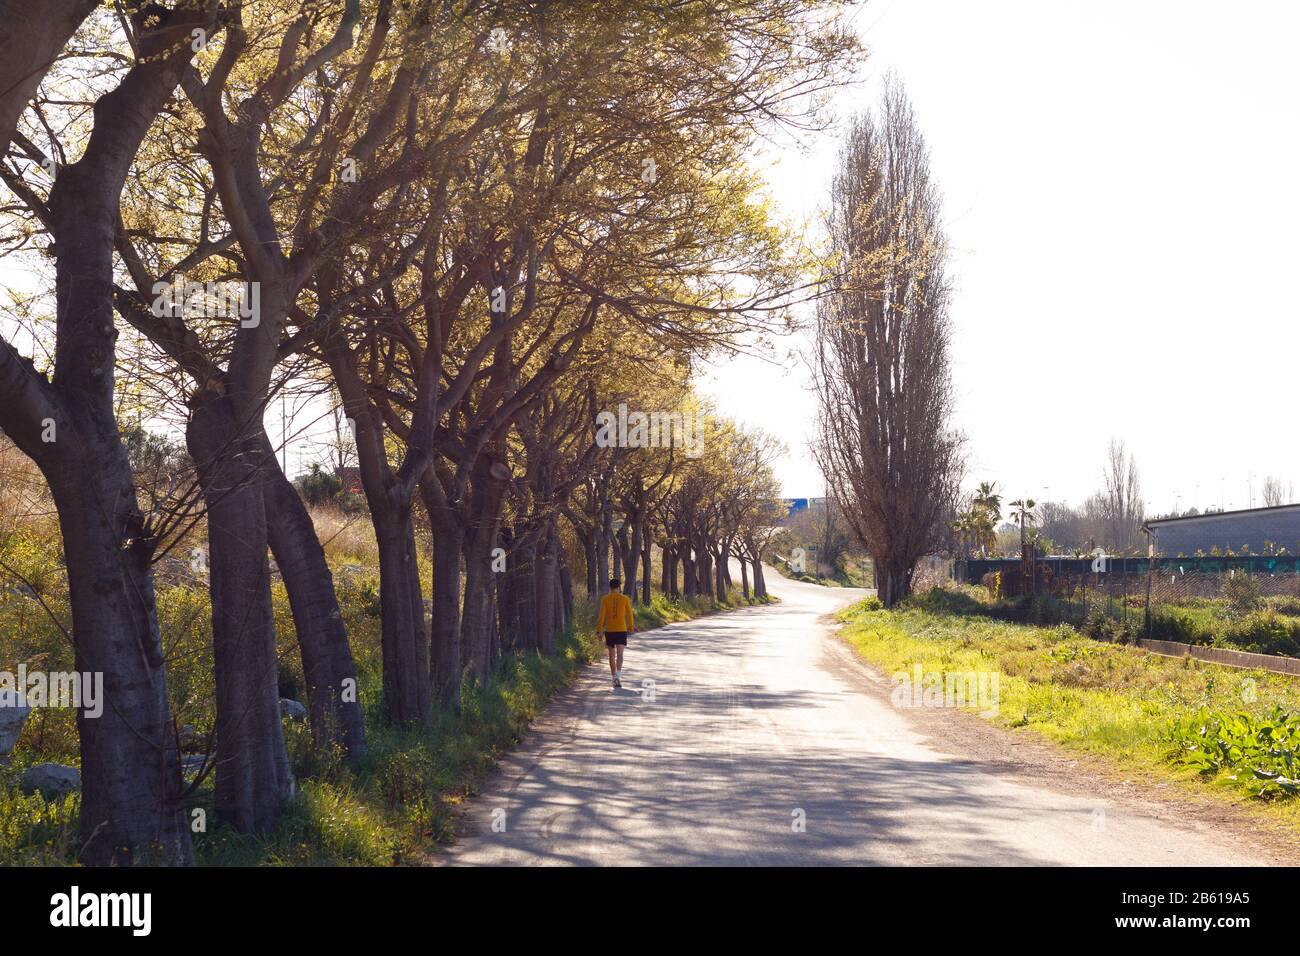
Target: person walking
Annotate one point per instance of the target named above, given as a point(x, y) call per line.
point(615, 622)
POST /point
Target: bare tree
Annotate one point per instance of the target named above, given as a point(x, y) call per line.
point(883, 380)
point(1065, 526)
point(1275, 493)
point(1120, 502)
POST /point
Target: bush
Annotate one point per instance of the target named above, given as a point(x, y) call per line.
point(33, 832)
point(1186, 625)
point(1284, 605)
point(950, 601)
point(1259, 753)
point(1104, 627)
point(318, 487)
point(1241, 592)
point(1265, 632)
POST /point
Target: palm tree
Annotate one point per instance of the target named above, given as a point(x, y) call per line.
point(1023, 513)
point(961, 527)
point(984, 530)
point(987, 498)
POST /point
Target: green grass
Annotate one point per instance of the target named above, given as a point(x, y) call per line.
point(1264, 630)
point(33, 832)
point(1263, 626)
point(1107, 699)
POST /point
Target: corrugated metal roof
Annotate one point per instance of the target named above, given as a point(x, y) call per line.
point(1220, 514)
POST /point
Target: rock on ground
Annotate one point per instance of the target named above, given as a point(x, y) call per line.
point(52, 780)
point(13, 714)
point(292, 709)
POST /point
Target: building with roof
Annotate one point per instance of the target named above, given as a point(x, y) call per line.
point(1257, 529)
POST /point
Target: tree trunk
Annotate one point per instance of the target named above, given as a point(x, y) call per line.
point(131, 805)
point(645, 567)
point(629, 544)
point(327, 662)
point(253, 775)
point(566, 590)
point(588, 541)
point(524, 594)
point(506, 591)
point(445, 628)
point(476, 634)
point(704, 569)
point(893, 581)
point(603, 541)
point(760, 582)
point(408, 692)
point(545, 583)
point(744, 579)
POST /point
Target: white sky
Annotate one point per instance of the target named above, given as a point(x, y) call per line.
point(1121, 196)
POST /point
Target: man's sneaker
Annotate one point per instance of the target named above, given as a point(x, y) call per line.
point(618, 684)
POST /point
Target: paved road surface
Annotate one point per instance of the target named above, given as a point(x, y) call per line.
point(758, 718)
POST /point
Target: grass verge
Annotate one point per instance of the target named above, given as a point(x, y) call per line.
point(1158, 717)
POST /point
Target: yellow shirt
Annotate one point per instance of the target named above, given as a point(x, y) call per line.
point(615, 613)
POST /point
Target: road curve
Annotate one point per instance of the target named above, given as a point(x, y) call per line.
point(755, 738)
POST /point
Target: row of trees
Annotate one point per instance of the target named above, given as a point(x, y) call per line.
point(1111, 518)
point(482, 226)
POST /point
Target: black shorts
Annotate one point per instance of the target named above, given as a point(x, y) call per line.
point(614, 638)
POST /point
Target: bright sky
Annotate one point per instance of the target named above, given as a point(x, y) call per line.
point(1121, 195)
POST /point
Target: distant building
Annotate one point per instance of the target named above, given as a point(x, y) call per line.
point(1257, 529)
point(796, 505)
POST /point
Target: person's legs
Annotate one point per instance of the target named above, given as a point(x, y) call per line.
point(619, 669)
point(613, 670)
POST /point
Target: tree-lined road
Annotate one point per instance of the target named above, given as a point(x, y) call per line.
point(758, 719)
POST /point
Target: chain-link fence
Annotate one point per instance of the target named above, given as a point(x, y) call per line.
point(1246, 608)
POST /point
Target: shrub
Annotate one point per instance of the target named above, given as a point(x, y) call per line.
point(1104, 627)
point(1265, 632)
point(1262, 753)
point(318, 486)
point(1241, 592)
point(1284, 605)
point(33, 832)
